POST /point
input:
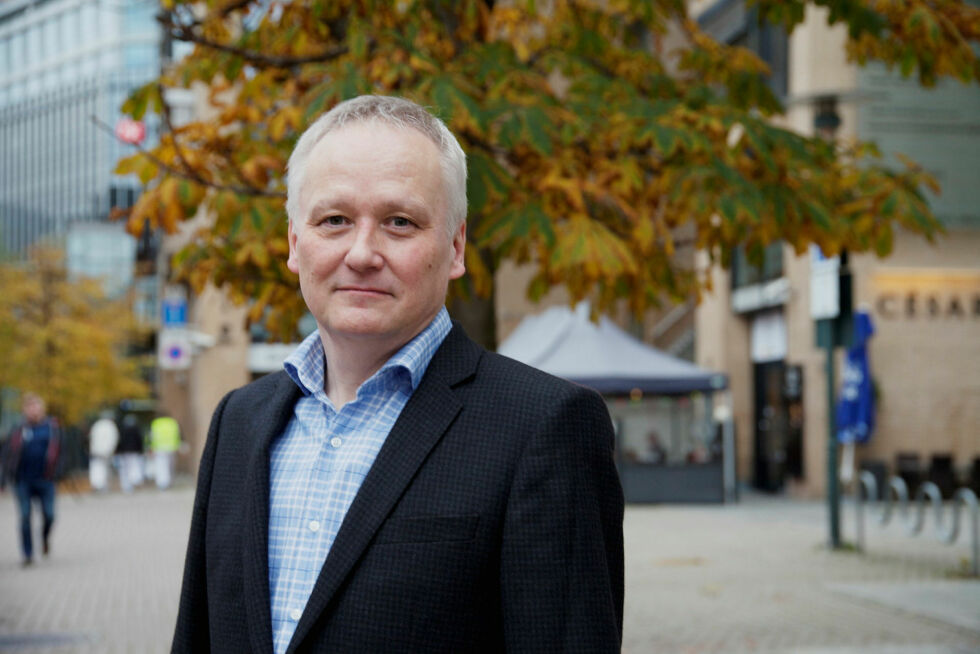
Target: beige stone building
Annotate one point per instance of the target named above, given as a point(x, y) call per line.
point(924, 298)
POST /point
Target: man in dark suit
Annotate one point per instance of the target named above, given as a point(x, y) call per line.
point(397, 488)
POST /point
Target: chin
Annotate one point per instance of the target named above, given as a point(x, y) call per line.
point(358, 326)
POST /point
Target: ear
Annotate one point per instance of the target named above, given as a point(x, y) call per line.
point(458, 267)
point(292, 262)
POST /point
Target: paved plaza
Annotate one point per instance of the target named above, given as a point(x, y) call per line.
point(750, 577)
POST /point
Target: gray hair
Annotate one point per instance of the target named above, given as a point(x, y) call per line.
point(396, 112)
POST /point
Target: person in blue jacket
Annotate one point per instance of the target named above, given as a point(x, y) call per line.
point(30, 462)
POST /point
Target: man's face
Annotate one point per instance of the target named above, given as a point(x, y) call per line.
point(33, 409)
point(370, 245)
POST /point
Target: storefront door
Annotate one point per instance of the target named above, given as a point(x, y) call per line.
point(771, 426)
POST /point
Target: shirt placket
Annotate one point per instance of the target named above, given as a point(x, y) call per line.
point(315, 508)
point(311, 519)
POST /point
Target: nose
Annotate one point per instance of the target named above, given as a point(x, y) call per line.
point(363, 253)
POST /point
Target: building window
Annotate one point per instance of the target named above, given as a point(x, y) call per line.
point(731, 22)
point(17, 52)
point(745, 273)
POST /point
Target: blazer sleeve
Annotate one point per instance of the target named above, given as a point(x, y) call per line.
point(192, 633)
point(562, 550)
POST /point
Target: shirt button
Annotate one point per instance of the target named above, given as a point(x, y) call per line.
point(295, 614)
point(314, 525)
point(335, 441)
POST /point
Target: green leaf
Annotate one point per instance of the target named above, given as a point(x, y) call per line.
point(485, 177)
point(540, 222)
point(257, 219)
point(819, 214)
point(357, 38)
point(135, 105)
point(184, 191)
point(665, 138)
point(443, 93)
point(537, 288)
point(498, 227)
point(729, 210)
point(322, 93)
point(510, 132)
point(536, 123)
point(476, 190)
point(353, 83)
point(908, 62)
point(888, 206)
point(236, 226)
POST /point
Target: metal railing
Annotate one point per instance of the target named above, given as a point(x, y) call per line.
point(897, 493)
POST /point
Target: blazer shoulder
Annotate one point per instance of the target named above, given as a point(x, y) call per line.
point(261, 389)
point(258, 402)
point(499, 371)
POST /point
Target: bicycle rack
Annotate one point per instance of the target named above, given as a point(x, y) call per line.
point(928, 491)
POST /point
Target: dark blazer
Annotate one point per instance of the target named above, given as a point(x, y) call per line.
point(491, 521)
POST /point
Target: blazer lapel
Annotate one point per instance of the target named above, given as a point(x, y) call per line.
point(427, 415)
point(270, 423)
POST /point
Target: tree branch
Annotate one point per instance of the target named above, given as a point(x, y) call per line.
point(233, 6)
point(185, 33)
point(190, 175)
point(165, 113)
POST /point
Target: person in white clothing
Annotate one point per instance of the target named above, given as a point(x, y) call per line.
point(103, 438)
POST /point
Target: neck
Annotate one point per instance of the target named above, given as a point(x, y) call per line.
point(349, 364)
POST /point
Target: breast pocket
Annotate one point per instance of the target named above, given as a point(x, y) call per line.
point(429, 529)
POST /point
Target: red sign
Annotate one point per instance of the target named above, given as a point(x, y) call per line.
point(130, 131)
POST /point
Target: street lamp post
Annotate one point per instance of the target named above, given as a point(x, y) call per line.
point(831, 308)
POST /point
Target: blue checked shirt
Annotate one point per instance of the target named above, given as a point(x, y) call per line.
point(318, 464)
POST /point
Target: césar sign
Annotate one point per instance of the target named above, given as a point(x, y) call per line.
point(910, 293)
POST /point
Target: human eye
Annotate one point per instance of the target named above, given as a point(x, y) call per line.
point(400, 222)
point(333, 221)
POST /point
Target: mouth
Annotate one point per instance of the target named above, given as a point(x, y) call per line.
point(366, 291)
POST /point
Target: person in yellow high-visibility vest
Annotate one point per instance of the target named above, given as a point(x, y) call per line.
point(164, 443)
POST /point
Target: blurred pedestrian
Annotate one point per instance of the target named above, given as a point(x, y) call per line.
point(164, 442)
point(130, 453)
point(102, 440)
point(30, 462)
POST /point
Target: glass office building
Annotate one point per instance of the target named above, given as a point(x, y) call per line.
point(66, 66)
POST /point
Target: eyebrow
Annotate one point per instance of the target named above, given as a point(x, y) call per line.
point(410, 206)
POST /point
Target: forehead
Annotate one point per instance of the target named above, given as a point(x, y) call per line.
point(374, 143)
point(374, 159)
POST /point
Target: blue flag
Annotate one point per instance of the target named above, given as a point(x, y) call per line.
point(855, 405)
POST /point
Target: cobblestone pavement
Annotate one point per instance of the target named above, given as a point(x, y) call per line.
point(758, 577)
point(751, 577)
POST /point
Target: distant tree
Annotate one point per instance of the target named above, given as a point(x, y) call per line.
point(63, 339)
point(604, 137)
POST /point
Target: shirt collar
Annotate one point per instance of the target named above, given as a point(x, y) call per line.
point(306, 366)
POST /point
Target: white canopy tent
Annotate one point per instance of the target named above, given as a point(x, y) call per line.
point(602, 356)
